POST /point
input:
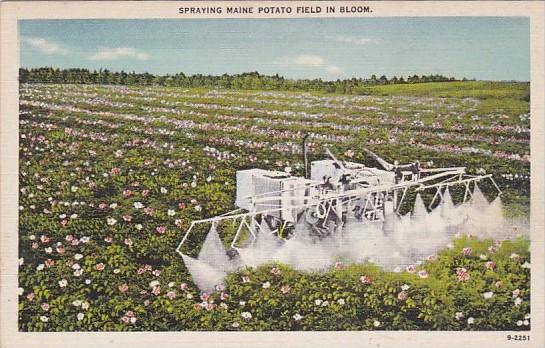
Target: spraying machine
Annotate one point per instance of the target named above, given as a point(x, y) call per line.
point(331, 193)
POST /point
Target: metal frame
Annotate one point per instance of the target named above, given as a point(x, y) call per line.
point(425, 179)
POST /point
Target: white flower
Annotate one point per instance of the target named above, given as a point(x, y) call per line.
point(111, 221)
point(44, 318)
point(139, 226)
point(235, 324)
point(189, 296)
point(470, 320)
point(198, 208)
point(85, 239)
point(519, 323)
point(87, 281)
point(488, 295)
point(138, 205)
point(113, 205)
point(78, 256)
point(78, 272)
point(77, 303)
point(526, 265)
point(154, 283)
point(266, 285)
point(117, 271)
point(20, 291)
point(297, 317)
point(76, 266)
point(80, 316)
point(459, 315)
point(317, 302)
point(527, 316)
point(405, 287)
point(32, 237)
point(376, 323)
point(246, 315)
point(163, 190)
point(73, 216)
point(171, 212)
point(40, 267)
point(242, 303)
point(483, 257)
point(21, 261)
point(85, 305)
point(48, 250)
point(518, 301)
point(63, 283)
point(171, 284)
point(526, 322)
point(341, 301)
point(325, 303)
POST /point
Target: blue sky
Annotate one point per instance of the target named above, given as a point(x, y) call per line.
point(473, 47)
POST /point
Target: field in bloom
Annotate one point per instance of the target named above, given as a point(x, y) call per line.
point(110, 176)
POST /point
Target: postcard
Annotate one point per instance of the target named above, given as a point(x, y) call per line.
point(307, 174)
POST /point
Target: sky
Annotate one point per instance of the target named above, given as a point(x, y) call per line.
point(484, 48)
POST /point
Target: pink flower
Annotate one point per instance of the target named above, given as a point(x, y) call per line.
point(410, 269)
point(338, 265)
point(498, 284)
point(64, 222)
point(171, 294)
point(35, 245)
point(127, 193)
point(115, 171)
point(285, 289)
point(181, 205)
point(146, 303)
point(209, 306)
point(147, 267)
point(75, 242)
point(467, 251)
point(69, 237)
point(402, 296)
point(128, 241)
point(431, 257)
point(492, 249)
point(127, 218)
point(145, 193)
point(99, 266)
point(184, 286)
point(275, 271)
point(45, 306)
point(516, 293)
point(156, 290)
point(60, 249)
point(462, 274)
point(490, 265)
point(245, 279)
point(423, 274)
point(30, 297)
point(365, 280)
point(44, 239)
point(224, 296)
point(49, 263)
point(161, 229)
point(103, 206)
point(156, 272)
point(140, 270)
point(205, 296)
point(108, 239)
point(149, 211)
point(123, 287)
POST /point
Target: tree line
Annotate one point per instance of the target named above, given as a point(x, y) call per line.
point(250, 80)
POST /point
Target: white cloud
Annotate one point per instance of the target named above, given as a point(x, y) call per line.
point(355, 40)
point(309, 60)
point(44, 45)
point(314, 61)
point(113, 53)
